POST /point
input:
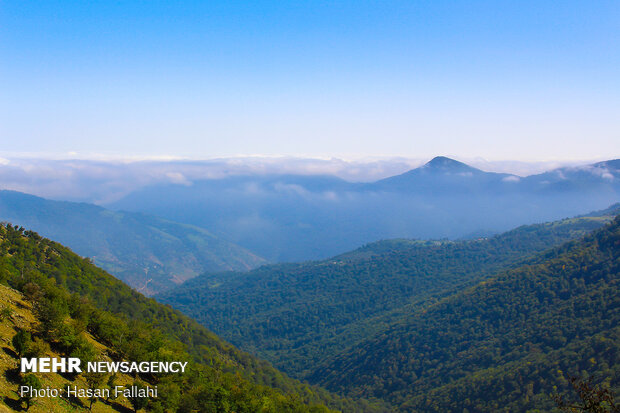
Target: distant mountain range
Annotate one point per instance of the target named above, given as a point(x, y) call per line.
point(149, 253)
point(232, 223)
point(293, 217)
point(445, 175)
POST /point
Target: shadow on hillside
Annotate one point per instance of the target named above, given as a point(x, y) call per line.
point(9, 352)
point(13, 404)
point(74, 401)
point(22, 305)
point(13, 375)
point(117, 406)
point(68, 376)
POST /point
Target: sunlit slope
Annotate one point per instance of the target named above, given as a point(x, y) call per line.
point(18, 314)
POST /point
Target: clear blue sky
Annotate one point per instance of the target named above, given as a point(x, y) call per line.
point(527, 80)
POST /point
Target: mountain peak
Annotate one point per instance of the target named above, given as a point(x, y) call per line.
point(445, 163)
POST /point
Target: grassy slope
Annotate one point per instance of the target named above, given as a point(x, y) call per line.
point(23, 318)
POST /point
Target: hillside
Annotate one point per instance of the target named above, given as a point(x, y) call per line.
point(307, 217)
point(19, 313)
point(503, 345)
point(297, 315)
point(149, 253)
point(66, 286)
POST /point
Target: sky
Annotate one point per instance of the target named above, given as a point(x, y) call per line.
point(499, 80)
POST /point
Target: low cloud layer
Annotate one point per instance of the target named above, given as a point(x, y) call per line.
point(105, 181)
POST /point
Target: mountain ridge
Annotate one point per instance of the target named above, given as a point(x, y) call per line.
point(148, 252)
point(296, 218)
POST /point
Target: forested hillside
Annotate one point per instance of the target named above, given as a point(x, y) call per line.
point(504, 345)
point(67, 287)
point(297, 315)
point(149, 253)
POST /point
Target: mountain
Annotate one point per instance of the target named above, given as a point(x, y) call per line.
point(149, 253)
point(297, 315)
point(505, 344)
point(597, 178)
point(445, 175)
point(297, 218)
point(76, 302)
point(281, 217)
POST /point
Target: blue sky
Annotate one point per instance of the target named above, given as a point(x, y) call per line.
point(498, 79)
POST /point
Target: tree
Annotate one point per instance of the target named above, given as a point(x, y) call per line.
point(32, 292)
point(5, 313)
point(37, 348)
point(93, 381)
point(591, 399)
point(138, 402)
point(21, 342)
point(31, 381)
point(111, 385)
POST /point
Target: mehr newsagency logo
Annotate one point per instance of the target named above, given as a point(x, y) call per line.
point(74, 365)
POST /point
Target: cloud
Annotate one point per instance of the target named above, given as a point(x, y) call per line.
point(511, 178)
point(600, 171)
point(291, 189)
point(178, 178)
point(521, 168)
point(104, 181)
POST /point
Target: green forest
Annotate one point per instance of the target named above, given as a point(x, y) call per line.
point(507, 344)
point(73, 296)
point(491, 324)
point(299, 315)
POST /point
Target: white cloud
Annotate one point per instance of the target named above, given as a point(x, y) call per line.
point(291, 189)
point(178, 178)
point(511, 178)
point(600, 171)
point(105, 181)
